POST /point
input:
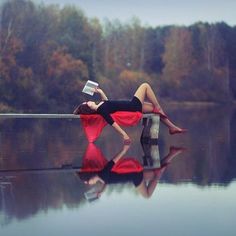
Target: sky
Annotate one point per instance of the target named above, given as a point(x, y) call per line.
point(157, 12)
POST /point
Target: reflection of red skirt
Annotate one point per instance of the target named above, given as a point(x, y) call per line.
point(94, 161)
point(94, 124)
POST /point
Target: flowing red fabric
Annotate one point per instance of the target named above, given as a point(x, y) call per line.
point(94, 124)
point(127, 165)
point(94, 161)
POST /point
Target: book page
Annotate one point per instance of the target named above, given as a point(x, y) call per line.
point(89, 87)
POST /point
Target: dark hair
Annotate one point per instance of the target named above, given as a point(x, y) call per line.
point(86, 176)
point(83, 109)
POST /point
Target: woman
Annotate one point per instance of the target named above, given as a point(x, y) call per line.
point(107, 107)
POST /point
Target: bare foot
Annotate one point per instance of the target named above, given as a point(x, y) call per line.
point(173, 152)
point(176, 150)
point(177, 130)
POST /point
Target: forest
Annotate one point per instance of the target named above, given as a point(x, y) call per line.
point(47, 53)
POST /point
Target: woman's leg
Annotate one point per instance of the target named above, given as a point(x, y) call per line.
point(152, 177)
point(147, 191)
point(145, 91)
point(173, 152)
point(150, 181)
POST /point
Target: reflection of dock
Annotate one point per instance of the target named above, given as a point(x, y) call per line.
point(64, 168)
point(6, 194)
point(151, 158)
point(39, 116)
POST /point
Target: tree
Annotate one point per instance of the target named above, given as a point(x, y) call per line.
point(154, 48)
point(178, 56)
point(66, 77)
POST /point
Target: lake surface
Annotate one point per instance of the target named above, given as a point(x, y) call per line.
point(194, 194)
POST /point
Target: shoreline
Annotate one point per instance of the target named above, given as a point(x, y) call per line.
point(167, 104)
point(197, 105)
point(191, 103)
point(187, 103)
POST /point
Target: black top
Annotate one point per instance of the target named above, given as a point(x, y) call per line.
point(110, 177)
point(110, 106)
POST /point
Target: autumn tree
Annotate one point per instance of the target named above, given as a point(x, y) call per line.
point(178, 56)
point(76, 33)
point(16, 80)
point(66, 76)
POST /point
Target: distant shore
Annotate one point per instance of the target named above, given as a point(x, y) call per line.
point(191, 104)
point(165, 103)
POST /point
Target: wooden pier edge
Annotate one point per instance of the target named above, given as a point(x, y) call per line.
point(35, 115)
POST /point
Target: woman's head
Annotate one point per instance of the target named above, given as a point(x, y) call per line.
point(90, 178)
point(86, 108)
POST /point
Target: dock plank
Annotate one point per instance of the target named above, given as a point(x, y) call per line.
point(48, 116)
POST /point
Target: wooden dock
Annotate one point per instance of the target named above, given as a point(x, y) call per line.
point(49, 116)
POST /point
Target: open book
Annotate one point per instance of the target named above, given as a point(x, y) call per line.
point(91, 195)
point(89, 87)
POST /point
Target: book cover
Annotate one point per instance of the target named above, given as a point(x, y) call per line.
point(91, 195)
point(89, 87)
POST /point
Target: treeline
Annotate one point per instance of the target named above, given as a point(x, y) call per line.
point(47, 53)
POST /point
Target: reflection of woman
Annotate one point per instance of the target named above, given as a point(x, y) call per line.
point(107, 107)
point(144, 181)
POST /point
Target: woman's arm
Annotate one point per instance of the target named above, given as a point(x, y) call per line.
point(120, 154)
point(120, 131)
point(102, 94)
point(108, 118)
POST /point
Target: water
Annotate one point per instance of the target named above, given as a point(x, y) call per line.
point(195, 194)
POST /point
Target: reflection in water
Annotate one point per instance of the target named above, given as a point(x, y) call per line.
point(210, 141)
point(209, 161)
point(96, 169)
point(29, 143)
point(26, 194)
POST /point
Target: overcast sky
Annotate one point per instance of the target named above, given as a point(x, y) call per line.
point(158, 12)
